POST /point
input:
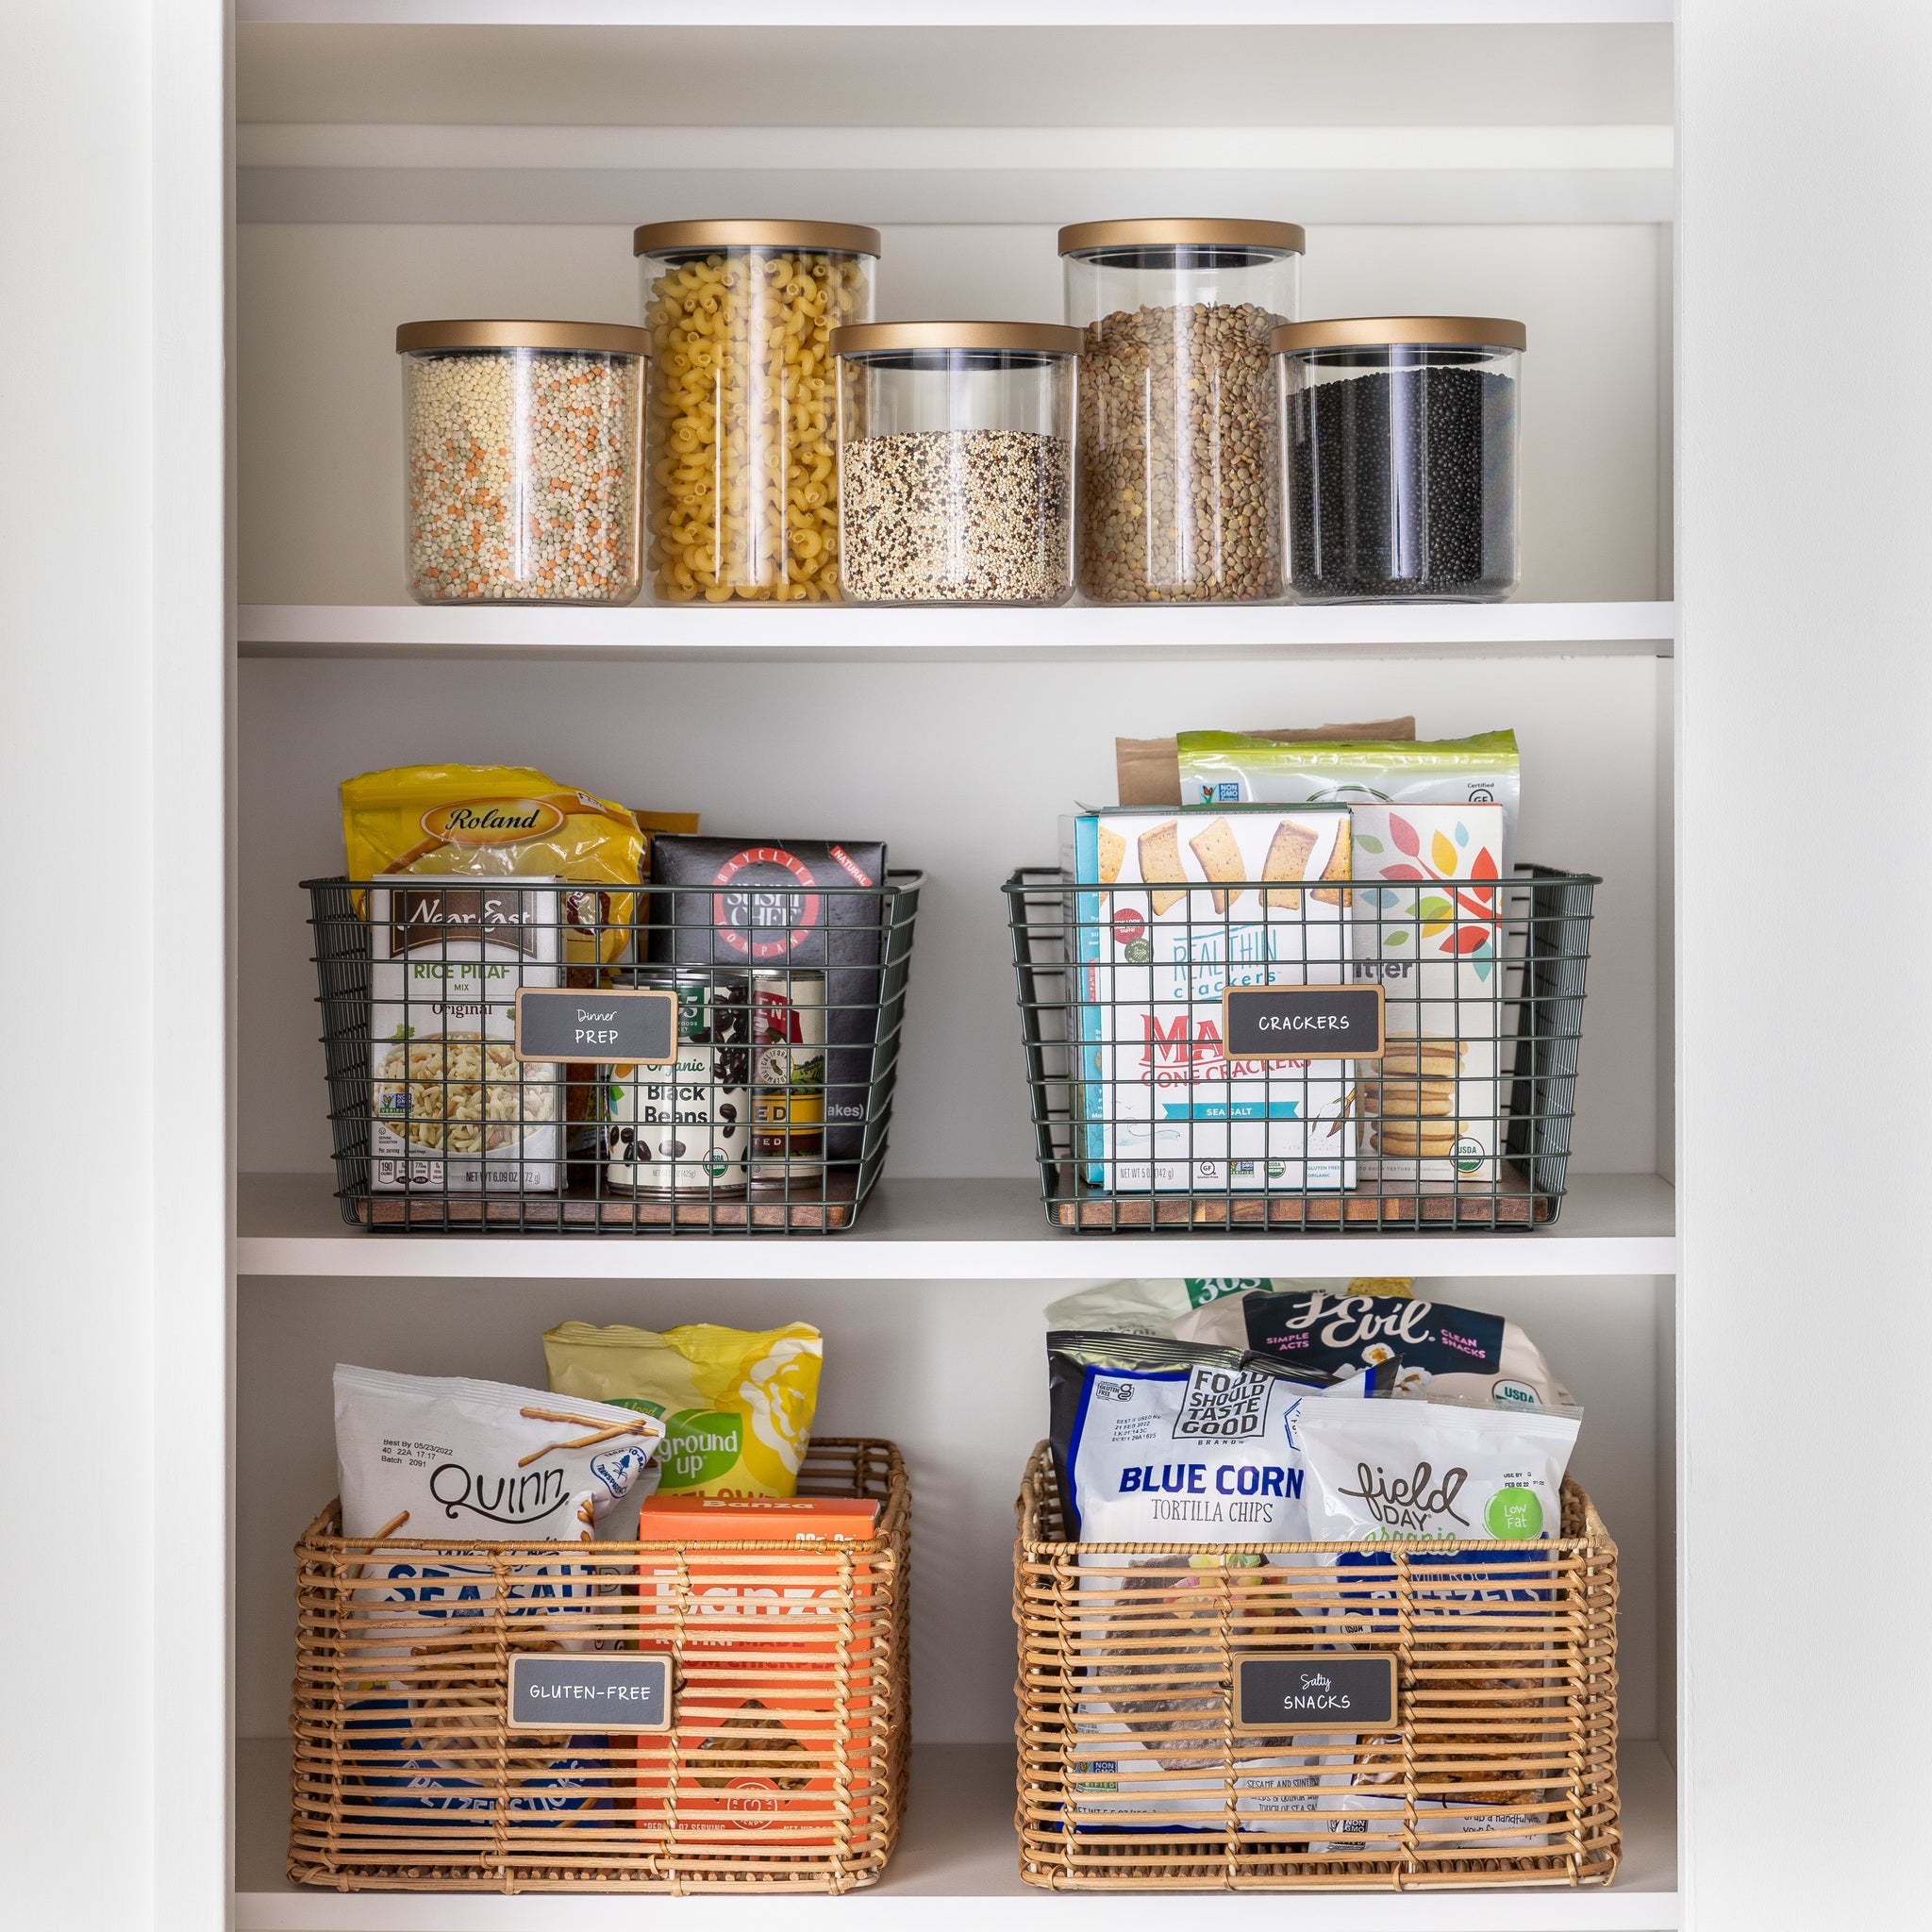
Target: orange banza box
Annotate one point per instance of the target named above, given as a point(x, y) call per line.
point(785, 1668)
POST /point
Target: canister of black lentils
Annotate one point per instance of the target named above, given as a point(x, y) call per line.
point(1400, 438)
point(788, 1033)
point(685, 1128)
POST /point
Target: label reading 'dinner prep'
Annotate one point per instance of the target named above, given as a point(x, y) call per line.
point(1301, 1022)
point(1315, 1691)
point(634, 1028)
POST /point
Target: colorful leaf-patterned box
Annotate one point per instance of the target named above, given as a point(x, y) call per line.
point(1432, 934)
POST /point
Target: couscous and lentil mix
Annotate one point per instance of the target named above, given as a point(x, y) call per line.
point(744, 500)
point(522, 463)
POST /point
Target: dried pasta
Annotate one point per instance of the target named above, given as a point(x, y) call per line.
point(464, 1094)
point(742, 423)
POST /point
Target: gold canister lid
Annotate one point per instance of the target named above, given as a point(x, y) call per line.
point(677, 237)
point(1023, 337)
point(1164, 231)
point(1392, 331)
point(593, 337)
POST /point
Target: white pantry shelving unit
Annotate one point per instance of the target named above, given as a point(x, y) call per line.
point(1715, 667)
point(419, 160)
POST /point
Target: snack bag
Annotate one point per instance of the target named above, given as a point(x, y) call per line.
point(1229, 767)
point(1167, 1442)
point(1403, 1469)
point(504, 822)
point(737, 1405)
point(439, 1456)
point(1162, 1308)
point(427, 1458)
point(1436, 1350)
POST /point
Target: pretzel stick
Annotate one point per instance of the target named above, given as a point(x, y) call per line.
point(558, 1415)
point(582, 1441)
point(390, 1528)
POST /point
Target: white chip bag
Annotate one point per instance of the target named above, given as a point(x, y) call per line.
point(432, 1456)
point(1396, 1469)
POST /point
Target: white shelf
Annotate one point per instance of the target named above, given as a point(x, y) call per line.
point(962, 1230)
point(845, 632)
point(956, 1855)
point(880, 14)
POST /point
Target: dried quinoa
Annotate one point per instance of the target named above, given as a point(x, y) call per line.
point(975, 516)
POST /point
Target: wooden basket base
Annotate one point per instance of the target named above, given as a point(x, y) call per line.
point(764, 1206)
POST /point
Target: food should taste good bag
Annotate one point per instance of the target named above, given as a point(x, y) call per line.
point(1433, 1348)
point(1164, 1307)
point(1165, 1441)
point(1401, 1468)
point(736, 1404)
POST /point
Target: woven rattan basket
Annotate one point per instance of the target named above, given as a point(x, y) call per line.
point(784, 1769)
point(1501, 1768)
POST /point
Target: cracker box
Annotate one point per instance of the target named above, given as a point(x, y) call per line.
point(1186, 905)
point(453, 1105)
point(1432, 933)
point(775, 1712)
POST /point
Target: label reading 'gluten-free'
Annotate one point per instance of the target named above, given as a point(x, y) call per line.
point(1301, 1022)
point(584, 1690)
point(629, 1026)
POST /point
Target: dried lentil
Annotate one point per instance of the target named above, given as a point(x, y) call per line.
point(1401, 485)
point(522, 476)
point(1180, 488)
point(975, 516)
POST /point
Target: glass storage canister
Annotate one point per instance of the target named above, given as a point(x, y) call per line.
point(522, 444)
point(1179, 438)
point(1400, 453)
point(956, 460)
point(743, 498)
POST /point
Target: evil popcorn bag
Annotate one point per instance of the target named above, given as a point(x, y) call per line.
point(1429, 927)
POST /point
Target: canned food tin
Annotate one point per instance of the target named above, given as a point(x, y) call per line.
point(788, 1037)
point(685, 1128)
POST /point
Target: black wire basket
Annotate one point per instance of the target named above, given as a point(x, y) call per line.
point(769, 1117)
point(1141, 1123)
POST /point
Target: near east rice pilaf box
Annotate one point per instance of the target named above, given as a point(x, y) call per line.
point(1184, 904)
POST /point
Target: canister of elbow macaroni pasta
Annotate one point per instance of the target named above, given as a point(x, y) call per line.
point(685, 1128)
point(788, 1033)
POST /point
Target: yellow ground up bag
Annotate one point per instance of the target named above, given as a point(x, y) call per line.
point(737, 1405)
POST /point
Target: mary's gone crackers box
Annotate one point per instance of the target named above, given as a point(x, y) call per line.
point(1182, 905)
point(1431, 932)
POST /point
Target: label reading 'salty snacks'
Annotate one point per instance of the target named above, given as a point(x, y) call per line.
point(1301, 1022)
point(551, 1692)
point(633, 1028)
point(1314, 1690)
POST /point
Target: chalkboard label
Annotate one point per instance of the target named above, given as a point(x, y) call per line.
point(1301, 1022)
point(622, 1691)
point(1315, 1691)
point(632, 1027)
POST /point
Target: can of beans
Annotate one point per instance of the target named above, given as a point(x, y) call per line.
point(685, 1128)
point(787, 1037)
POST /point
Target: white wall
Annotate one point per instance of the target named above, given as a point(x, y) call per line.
point(112, 1798)
point(1803, 491)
